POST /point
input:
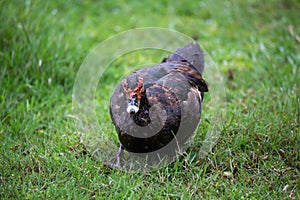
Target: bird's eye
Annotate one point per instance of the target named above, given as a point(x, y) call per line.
point(133, 101)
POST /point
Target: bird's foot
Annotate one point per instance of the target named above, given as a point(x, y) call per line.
point(118, 158)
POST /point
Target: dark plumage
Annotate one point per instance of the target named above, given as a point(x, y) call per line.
point(151, 105)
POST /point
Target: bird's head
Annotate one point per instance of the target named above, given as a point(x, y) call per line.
point(133, 96)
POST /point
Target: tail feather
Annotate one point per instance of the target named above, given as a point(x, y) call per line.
point(191, 53)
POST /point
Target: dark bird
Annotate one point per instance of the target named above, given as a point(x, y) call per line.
point(155, 106)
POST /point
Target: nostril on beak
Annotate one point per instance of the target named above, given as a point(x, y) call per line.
point(132, 111)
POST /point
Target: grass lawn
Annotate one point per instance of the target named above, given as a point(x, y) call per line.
point(42, 45)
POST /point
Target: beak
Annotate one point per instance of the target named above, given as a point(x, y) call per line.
point(133, 106)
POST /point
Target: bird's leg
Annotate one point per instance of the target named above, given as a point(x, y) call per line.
point(119, 156)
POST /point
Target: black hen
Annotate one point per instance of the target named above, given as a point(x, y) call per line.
point(153, 106)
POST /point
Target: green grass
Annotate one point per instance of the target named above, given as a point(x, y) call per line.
point(42, 45)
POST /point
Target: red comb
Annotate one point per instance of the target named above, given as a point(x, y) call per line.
point(138, 90)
